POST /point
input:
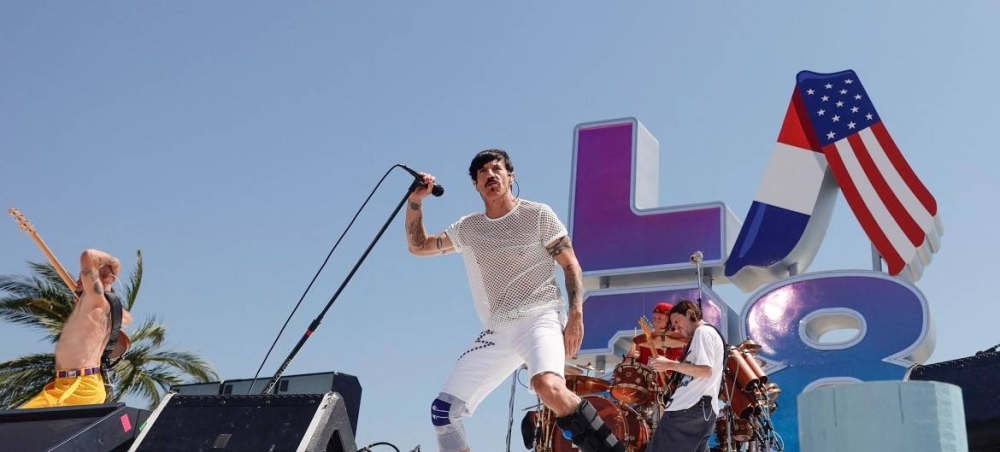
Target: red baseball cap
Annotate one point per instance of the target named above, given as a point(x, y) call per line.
point(663, 308)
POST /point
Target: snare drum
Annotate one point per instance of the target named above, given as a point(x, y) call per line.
point(624, 422)
point(633, 382)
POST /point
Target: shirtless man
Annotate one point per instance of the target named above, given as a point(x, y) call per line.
point(84, 337)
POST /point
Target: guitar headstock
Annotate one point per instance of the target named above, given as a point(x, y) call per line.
point(644, 323)
point(22, 222)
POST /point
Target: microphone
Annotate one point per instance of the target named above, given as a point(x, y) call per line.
point(436, 191)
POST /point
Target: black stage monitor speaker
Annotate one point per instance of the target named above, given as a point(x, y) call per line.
point(84, 428)
point(242, 423)
point(978, 376)
point(198, 388)
point(316, 383)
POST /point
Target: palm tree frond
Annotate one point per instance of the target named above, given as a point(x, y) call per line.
point(24, 377)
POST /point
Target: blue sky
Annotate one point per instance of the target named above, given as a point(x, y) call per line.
point(232, 142)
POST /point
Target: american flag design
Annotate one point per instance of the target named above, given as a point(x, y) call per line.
point(832, 129)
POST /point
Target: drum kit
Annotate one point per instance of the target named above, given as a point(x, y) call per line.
point(744, 424)
point(628, 411)
point(631, 404)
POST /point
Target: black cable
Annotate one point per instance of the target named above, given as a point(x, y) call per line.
point(380, 443)
point(282, 331)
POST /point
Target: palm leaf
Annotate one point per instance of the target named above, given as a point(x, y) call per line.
point(24, 377)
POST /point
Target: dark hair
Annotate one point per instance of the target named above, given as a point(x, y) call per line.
point(487, 156)
point(685, 307)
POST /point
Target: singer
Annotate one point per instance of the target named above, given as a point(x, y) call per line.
point(511, 251)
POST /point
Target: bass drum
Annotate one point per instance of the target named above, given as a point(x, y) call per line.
point(624, 422)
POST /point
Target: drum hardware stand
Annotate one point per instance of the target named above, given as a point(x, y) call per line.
point(730, 423)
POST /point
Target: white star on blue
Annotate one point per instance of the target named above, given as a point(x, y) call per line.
point(845, 91)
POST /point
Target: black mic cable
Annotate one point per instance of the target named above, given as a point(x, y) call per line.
point(437, 190)
point(296, 308)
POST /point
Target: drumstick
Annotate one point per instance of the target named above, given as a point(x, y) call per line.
point(26, 226)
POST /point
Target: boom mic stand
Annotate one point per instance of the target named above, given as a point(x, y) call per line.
point(315, 323)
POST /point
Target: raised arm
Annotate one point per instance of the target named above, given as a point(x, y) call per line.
point(98, 270)
point(418, 242)
point(561, 250)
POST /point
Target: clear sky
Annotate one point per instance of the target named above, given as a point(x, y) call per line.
point(232, 142)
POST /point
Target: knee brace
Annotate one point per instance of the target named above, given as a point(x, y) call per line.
point(446, 415)
point(587, 430)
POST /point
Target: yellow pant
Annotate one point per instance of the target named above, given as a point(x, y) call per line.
point(88, 390)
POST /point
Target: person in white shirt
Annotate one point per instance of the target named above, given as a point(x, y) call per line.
point(511, 251)
point(690, 415)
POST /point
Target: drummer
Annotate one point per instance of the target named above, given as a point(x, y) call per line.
point(665, 345)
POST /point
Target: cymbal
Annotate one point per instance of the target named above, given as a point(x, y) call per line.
point(661, 336)
point(537, 405)
point(581, 384)
point(575, 369)
point(750, 346)
point(641, 339)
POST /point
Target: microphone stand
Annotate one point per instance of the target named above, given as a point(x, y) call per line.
point(696, 258)
point(315, 323)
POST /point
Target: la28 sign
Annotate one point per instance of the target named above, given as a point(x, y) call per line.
point(635, 252)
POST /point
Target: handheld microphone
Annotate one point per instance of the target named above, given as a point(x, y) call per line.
point(436, 191)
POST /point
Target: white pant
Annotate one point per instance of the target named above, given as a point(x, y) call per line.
point(536, 340)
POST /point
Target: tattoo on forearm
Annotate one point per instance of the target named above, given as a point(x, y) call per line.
point(414, 205)
point(574, 287)
point(439, 244)
point(416, 232)
point(556, 248)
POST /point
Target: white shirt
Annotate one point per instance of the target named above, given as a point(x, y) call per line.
point(706, 349)
point(510, 271)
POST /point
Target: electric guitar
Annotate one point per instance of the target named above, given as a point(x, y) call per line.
point(648, 331)
point(124, 343)
point(669, 385)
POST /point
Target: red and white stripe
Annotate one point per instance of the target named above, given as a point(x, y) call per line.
point(895, 209)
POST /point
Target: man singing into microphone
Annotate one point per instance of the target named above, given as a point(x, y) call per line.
point(511, 251)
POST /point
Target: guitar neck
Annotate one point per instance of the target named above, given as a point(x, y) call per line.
point(55, 261)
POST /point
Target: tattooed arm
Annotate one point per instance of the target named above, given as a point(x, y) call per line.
point(561, 250)
point(98, 270)
point(418, 242)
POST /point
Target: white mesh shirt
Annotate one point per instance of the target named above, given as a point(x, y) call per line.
point(510, 271)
